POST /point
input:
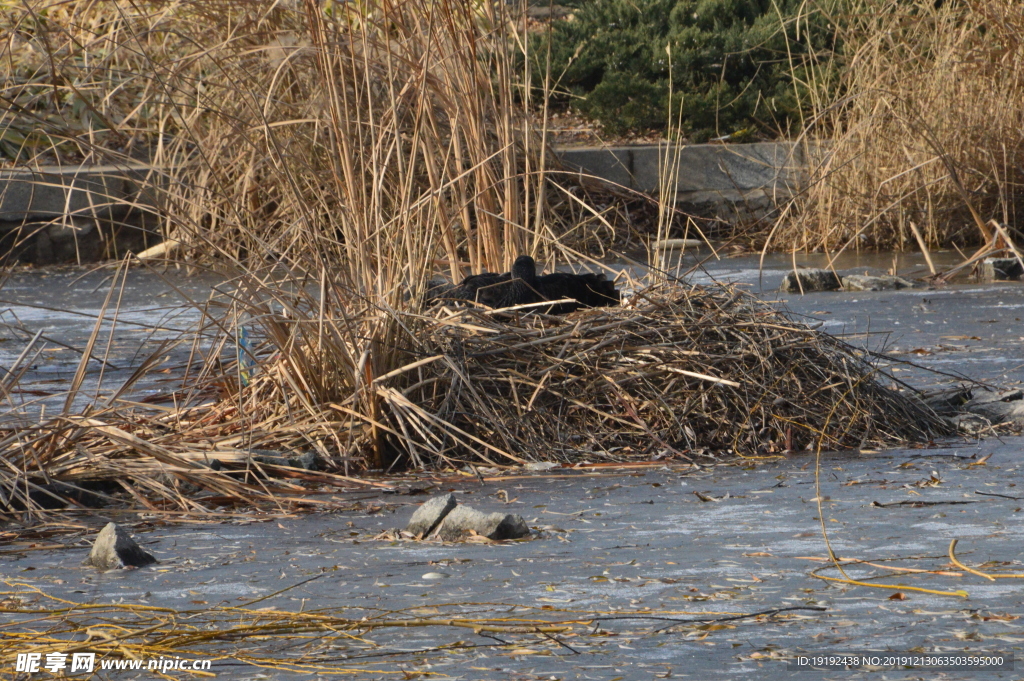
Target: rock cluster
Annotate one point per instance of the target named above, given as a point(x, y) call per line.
point(973, 413)
point(1000, 269)
point(444, 518)
point(810, 280)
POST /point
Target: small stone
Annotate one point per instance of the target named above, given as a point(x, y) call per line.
point(57, 495)
point(465, 521)
point(811, 280)
point(1000, 269)
point(548, 12)
point(970, 424)
point(948, 402)
point(541, 465)
point(430, 514)
point(434, 576)
point(886, 282)
point(306, 460)
point(114, 549)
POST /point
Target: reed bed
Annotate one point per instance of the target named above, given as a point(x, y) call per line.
point(371, 138)
point(924, 133)
point(332, 157)
point(158, 462)
point(684, 372)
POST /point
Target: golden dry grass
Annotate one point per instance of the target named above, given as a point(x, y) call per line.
point(926, 129)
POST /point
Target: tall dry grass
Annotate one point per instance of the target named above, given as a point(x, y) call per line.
point(329, 156)
point(927, 128)
point(373, 135)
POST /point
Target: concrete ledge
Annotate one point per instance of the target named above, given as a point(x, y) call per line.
point(61, 214)
point(731, 182)
point(774, 166)
point(77, 213)
point(75, 191)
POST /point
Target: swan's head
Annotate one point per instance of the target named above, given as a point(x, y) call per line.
point(524, 268)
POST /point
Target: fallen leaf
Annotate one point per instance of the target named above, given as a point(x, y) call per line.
point(898, 596)
point(1000, 618)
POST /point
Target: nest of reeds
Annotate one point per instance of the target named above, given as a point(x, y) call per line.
point(679, 371)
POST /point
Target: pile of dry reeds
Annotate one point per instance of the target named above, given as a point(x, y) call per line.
point(681, 370)
point(189, 460)
point(925, 133)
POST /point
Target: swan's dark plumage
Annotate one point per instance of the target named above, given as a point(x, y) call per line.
point(588, 290)
point(522, 286)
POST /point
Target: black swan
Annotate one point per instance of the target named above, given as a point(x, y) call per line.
point(518, 287)
point(588, 290)
point(522, 286)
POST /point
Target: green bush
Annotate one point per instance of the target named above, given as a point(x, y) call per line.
point(624, 103)
point(734, 63)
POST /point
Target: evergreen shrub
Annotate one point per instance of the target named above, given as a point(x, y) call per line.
point(737, 66)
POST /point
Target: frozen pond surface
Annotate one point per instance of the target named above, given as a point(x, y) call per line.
point(639, 543)
point(608, 543)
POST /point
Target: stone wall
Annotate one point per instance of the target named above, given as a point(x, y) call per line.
point(88, 213)
point(730, 182)
point(76, 214)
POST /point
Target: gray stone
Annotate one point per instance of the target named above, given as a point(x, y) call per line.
point(613, 165)
point(811, 280)
point(114, 549)
point(56, 495)
point(78, 214)
point(69, 238)
point(87, 191)
point(465, 521)
point(970, 424)
point(1006, 406)
point(885, 282)
point(74, 240)
point(772, 167)
point(734, 183)
point(1000, 269)
point(948, 402)
point(306, 460)
point(736, 178)
point(540, 465)
point(430, 514)
point(547, 12)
